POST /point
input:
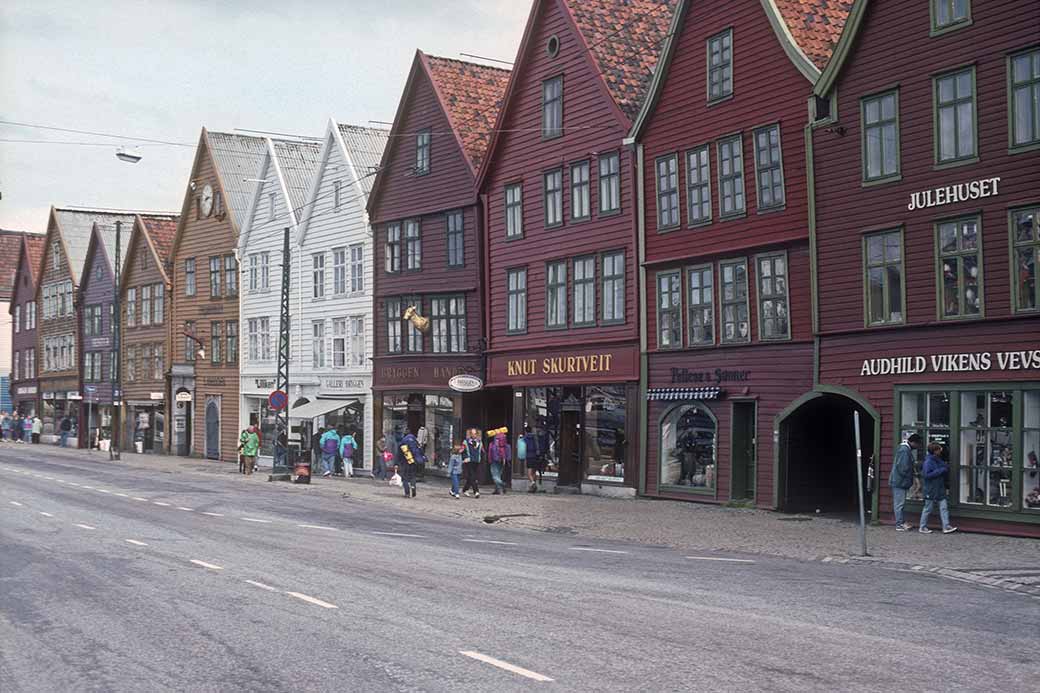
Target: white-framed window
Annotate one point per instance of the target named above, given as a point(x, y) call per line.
point(393, 248)
point(669, 310)
point(266, 347)
point(448, 314)
point(769, 169)
point(514, 211)
point(553, 198)
point(158, 304)
point(265, 271)
point(612, 286)
point(357, 340)
point(254, 271)
point(30, 321)
point(214, 277)
point(698, 185)
point(700, 315)
point(318, 275)
point(16, 366)
point(552, 107)
point(253, 339)
point(516, 307)
point(189, 277)
point(339, 270)
point(393, 326)
point(357, 268)
point(584, 287)
point(556, 294)
point(318, 344)
point(413, 338)
point(774, 320)
point(720, 65)
point(17, 319)
point(131, 307)
point(230, 275)
point(413, 245)
point(339, 342)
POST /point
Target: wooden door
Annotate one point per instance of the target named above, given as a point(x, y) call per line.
point(213, 429)
point(742, 457)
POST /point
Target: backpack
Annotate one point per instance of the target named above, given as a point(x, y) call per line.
point(521, 448)
point(348, 450)
point(330, 445)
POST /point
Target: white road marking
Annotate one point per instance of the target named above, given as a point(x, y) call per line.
point(589, 548)
point(715, 558)
point(49, 478)
point(207, 565)
point(46, 514)
point(253, 519)
point(165, 505)
point(17, 503)
point(102, 490)
point(505, 665)
point(76, 485)
point(331, 529)
point(135, 542)
point(312, 600)
point(122, 495)
point(262, 586)
point(143, 500)
point(213, 514)
point(190, 510)
point(83, 526)
point(399, 534)
point(87, 487)
point(490, 541)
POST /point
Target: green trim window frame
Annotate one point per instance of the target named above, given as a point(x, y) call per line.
point(884, 285)
point(879, 121)
point(394, 344)
point(731, 177)
point(610, 183)
point(552, 107)
point(720, 66)
point(667, 178)
point(422, 152)
point(736, 325)
point(669, 310)
point(774, 317)
point(700, 301)
point(583, 282)
point(1025, 258)
point(769, 168)
point(956, 126)
point(556, 294)
point(552, 198)
point(516, 300)
point(959, 268)
point(581, 193)
point(454, 224)
point(698, 186)
point(1024, 99)
point(947, 15)
point(514, 201)
point(413, 245)
point(393, 248)
point(612, 287)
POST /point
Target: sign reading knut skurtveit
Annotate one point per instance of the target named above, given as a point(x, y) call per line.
point(974, 362)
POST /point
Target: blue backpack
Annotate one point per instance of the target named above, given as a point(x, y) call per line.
point(521, 448)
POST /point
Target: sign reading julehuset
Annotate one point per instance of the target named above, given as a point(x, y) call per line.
point(948, 194)
point(954, 363)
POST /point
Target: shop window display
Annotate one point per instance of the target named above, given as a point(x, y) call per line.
point(928, 415)
point(442, 427)
point(688, 448)
point(987, 448)
point(1031, 450)
point(543, 416)
point(606, 440)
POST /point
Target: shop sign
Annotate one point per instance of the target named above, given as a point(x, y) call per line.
point(73, 395)
point(948, 194)
point(179, 424)
point(156, 395)
point(183, 397)
point(214, 380)
point(343, 384)
point(717, 376)
point(560, 365)
point(977, 362)
point(465, 383)
point(48, 395)
point(27, 390)
point(264, 383)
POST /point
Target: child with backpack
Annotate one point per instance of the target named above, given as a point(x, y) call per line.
point(347, 446)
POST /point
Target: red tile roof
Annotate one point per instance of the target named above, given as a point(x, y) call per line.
point(625, 37)
point(162, 231)
point(10, 251)
point(472, 95)
point(816, 25)
point(35, 244)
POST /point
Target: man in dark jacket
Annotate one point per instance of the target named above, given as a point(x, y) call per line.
point(902, 478)
point(411, 457)
point(934, 473)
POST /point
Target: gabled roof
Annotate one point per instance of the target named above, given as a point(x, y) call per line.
point(471, 96)
point(75, 227)
point(297, 161)
point(364, 146)
point(815, 25)
point(161, 232)
point(103, 239)
point(236, 157)
point(843, 48)
point(34, 246)
point(11, 243)
point(287, 169)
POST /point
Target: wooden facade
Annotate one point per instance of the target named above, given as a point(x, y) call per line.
point(96, 337)
point(25, 392)
point(948, 320)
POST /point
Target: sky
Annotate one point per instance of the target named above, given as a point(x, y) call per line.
point(163, 70)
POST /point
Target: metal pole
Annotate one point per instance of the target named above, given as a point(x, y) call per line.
point(283, 471)
point(859, 487)
point(117, 362)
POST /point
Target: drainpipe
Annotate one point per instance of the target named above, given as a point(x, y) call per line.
point(644, 428)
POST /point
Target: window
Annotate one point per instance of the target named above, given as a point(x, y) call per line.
point(552, 107)
point(556, 294)
point(422, 153)
point(884, 270)
point(668, 191)
point(131, 307)
point(357, 340)
point(610, 183)
point(253, 325)
point(580, 192)
point(769, 170)
point(216, 340)
point(612, 287)
point(339, 342)
point(413, 337)
point(516, 308)
point(30, 309)
point(357, 268)
point(553, 198)
point(514, 211)
point(92, 322)
point(698, 185)
point(146, 305)
point(17, 367)
point(584, 291)
point(773, 315)
point(413, 245)
point(960, 268)
point(449, 324)
point(259, 339)
point(880, 146)
point(1025, 98)
point(318, 344)
point(190, 345)
point(955, 117)
point(393, 248)
point(453, 221)
point(230, 275)
point(731, 176)
point(336, 195)
point(720, 65)
point(130, 369)
point(318, 275)
point(701, 316)
point(393, 326)
point(17, 319)
point(189, 277)
point(55, 254)
point(158, 304)
point(950, 13)
point(158, 362)
point(231, 337)
point(987, 448)
point(30, 368)
point(669, 310)
point(735, 325)
point(339, 271)
point(1025, 257)
point(688, 444)
point(270, 205)
point(265, 271)
point(254, 272)
point(214, 277)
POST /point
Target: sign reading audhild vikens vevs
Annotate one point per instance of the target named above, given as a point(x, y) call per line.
point(954, 363)
point(948, 194)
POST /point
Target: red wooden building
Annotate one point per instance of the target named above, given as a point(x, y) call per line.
point(428, 227)
point(563, 328)
point(926, 235)
point(725, 236)
point(25, 388)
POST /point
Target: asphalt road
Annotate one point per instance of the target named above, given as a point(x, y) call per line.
point(116, 579)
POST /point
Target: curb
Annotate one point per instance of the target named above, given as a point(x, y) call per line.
point(977, 578)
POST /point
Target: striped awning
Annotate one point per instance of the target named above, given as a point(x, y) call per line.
point(673, 394)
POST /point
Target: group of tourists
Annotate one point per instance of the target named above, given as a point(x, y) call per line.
point(932, 476)
point(16, 428)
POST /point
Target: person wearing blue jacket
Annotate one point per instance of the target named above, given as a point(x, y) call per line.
point(329, 443)
point(411, 457)
point(934, 473)
point(347, 448)
point(455, 469)
point(902, 478)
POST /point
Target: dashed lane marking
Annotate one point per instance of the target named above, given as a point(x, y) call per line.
point(165, 505)
point(207, 565)
point(122, 495)
point(190, 510)
point(262, 586)
point(91, 488)
point(716, 558)
point(490, 541)
point(331, 529)
point(589, 548)
point(312, 600)
point(213, 514)
point(527, 673)
point(103, 490)
point(46, 514)
point(16, 503)
point(399, 534)
point(253, 519)
point(143, 500)
point(135, 542)
point(83, 526)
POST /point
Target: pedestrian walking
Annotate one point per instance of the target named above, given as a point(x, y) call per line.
point(5, 426)
point(37, 429)
point(65, 429)
point(501, 455)
point(281, 450)
point(27, 429)
point(455, 469)
point(527, 451)
point(411, 457)
point(472, 456)
point(329, 444)
point(249, 446)
point(901, 478)
point(379, 464)
point(347, 448)
point(934, 473)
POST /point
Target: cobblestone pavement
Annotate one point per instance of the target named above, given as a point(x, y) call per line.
point(1004, 562)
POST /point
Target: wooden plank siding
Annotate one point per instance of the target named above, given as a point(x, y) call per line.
point(23, 338)
point(97, 288)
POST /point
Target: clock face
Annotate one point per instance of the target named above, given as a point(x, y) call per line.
point(207, 200)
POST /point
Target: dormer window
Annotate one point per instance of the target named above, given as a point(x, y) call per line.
point(336, 201)
point(948, 14)
point(422, 153)
point(55, 255)
point(270, 206)
point(720, 66)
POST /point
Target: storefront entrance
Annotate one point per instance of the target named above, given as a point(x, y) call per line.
point(213, 429)
point(743, 453)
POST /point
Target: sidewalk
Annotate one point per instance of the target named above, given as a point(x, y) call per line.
point(688, 527)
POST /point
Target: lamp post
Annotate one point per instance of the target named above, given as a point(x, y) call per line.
point(117, 363)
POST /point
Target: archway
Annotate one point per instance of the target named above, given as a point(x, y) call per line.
point(817, 453)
